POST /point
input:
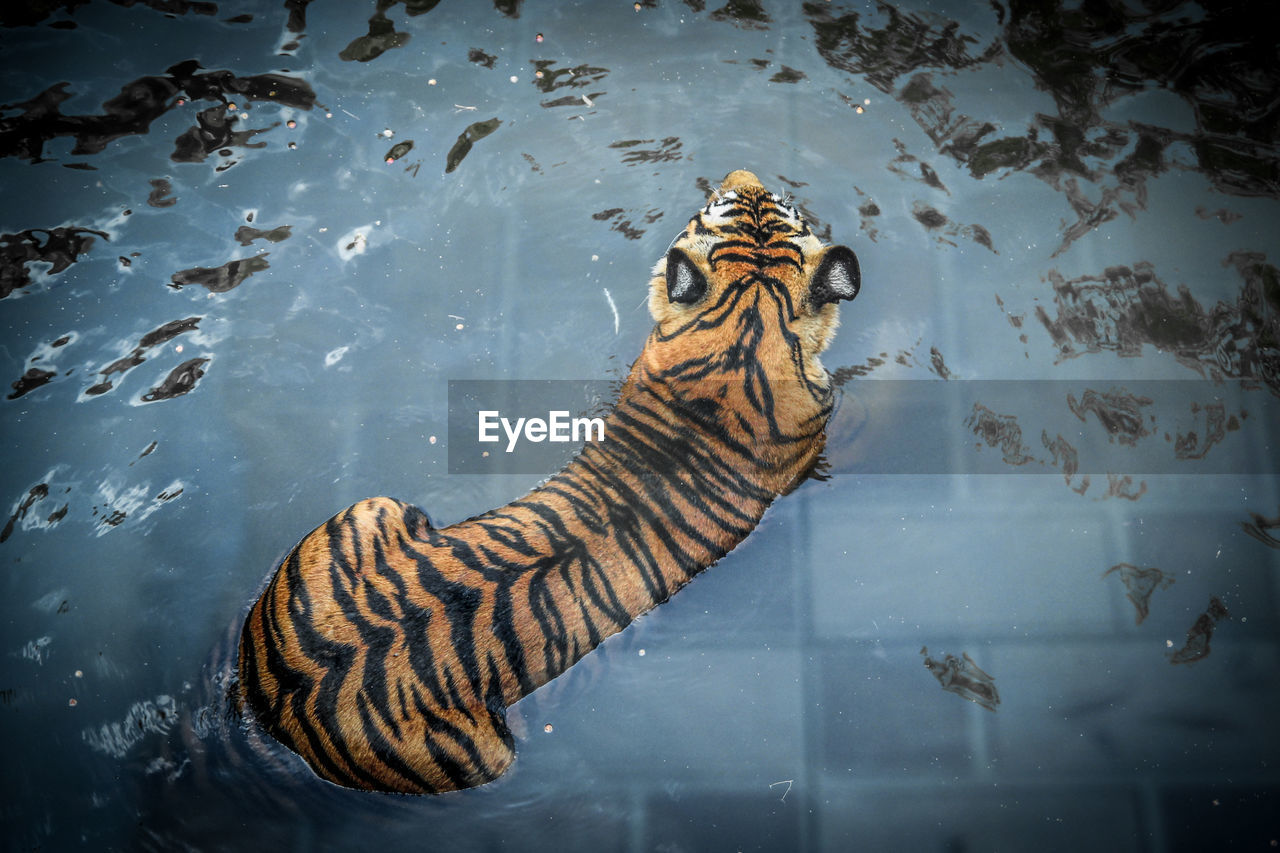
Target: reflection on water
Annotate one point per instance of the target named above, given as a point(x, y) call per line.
point(1260, 528)
point(963, 678)
point(231, 304)
point(144, 100)
point(1139, 584)
point(1197, 645)
point(1124, 309)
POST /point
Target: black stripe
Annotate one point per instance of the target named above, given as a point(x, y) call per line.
point(416, 622)
point(378, 644)
point(385, 753)
point(333, 660)
point(504, 630)
point(440, 729)
point(460, 603)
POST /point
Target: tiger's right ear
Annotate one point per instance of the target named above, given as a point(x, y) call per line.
point(685, 282)
point(838, 277)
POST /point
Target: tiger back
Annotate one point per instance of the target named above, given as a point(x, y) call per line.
point(385, 651)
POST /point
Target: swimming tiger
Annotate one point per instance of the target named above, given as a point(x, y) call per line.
point(385, 651)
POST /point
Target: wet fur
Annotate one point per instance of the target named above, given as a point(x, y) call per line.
point(385, 651)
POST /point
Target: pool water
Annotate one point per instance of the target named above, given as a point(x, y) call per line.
point(1034, 601)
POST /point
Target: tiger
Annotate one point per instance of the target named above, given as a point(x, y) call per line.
point(385, 651)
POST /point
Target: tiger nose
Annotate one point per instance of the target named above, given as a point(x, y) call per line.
point(739, 178)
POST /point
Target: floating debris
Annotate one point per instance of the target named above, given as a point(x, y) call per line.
point(159, 196)
point(474, 132)
point(399, 150)
point(1139, 584)
point(220, 279)
point(479, 57)
point(181, 380)
point(963, 678)
point(1197, 645)
point(354, 242)
point(246, 235)
point(137, 356)
point(1261, 529)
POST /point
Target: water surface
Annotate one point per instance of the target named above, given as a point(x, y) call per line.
point(246, 246)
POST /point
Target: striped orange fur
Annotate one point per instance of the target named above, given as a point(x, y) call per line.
point(385, 651)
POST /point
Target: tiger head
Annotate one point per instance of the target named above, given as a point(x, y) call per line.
point(747, 288)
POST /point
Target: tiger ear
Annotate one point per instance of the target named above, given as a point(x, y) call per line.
point(685, 282)
point(838, 277)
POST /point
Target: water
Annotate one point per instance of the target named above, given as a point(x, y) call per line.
point(222, 327)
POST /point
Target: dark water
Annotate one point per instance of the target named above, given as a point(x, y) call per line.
point(246, 246)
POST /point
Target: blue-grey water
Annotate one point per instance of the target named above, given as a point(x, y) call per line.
point(246, 246)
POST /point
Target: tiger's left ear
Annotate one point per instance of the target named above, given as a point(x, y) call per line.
point(838, 277)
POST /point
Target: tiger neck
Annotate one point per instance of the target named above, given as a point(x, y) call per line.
point(634, 518)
